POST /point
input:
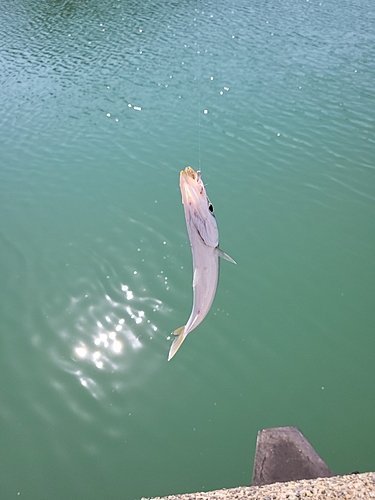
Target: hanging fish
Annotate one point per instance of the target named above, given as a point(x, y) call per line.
point(204, 240)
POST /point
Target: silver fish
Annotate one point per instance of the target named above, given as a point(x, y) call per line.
point(204, 240)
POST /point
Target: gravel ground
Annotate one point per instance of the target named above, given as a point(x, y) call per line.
point(353, 486)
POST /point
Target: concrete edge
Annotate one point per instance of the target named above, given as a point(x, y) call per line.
point(352, 486)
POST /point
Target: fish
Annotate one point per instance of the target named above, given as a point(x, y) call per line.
point(204, 241)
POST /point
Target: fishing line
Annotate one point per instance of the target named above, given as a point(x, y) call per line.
point(198, 84)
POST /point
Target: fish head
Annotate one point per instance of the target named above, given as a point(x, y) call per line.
point(199, 211)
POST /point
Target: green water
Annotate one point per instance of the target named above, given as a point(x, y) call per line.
point(102, 104)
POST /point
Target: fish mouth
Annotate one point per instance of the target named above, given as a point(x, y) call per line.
point(190, 172)
point(193, 192)
point(191, 184)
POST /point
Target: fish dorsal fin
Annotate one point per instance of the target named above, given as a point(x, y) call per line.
point(225, 256)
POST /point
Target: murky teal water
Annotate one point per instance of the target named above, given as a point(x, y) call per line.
point(102, 104)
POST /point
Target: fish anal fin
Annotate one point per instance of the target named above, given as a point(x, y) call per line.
point(179, 338)
point(225, 256)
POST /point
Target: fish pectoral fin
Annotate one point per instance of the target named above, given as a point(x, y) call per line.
point(180, 337)
point(225, 256)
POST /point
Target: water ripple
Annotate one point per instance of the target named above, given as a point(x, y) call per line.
point(104, 325)
point(102, 104)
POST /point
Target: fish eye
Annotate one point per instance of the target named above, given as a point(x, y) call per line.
point(210, 206)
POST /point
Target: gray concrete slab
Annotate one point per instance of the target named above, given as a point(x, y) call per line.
point(284, 454)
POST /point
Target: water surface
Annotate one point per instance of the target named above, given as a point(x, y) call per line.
point(103, 103)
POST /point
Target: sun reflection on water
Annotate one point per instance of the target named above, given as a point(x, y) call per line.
point(110, 331)
point(107, 342)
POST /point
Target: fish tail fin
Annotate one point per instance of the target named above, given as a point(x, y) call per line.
point(180, 336)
